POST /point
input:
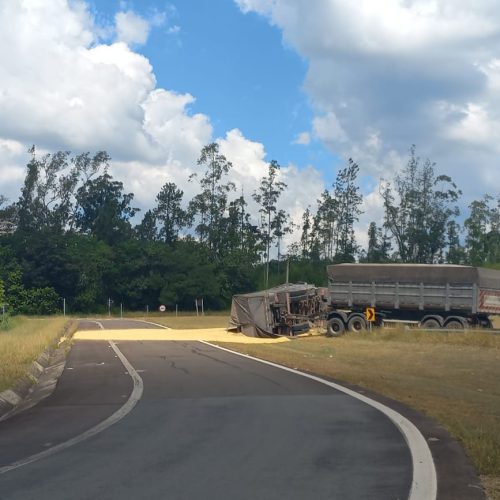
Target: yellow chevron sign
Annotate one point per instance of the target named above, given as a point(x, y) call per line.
point(370, 314)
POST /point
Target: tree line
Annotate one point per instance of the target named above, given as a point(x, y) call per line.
point(70, 235)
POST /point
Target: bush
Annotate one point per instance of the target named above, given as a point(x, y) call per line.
point(40, 301)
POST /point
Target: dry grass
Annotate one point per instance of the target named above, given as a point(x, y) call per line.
point(453, 377)
point(23, 342)
point(190, 322)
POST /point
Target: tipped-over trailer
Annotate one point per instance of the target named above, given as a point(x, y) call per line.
point(283, 310)
point(425, 295)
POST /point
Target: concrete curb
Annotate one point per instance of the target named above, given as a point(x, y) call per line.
point(40, 379)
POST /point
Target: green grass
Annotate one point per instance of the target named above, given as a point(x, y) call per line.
point(452, 377)
point(23, 342)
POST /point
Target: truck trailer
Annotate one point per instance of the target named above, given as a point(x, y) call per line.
point(425, 295)
point(285, 310)
point(421, 295)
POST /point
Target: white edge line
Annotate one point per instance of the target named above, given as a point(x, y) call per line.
point(424, 481)
point(151, 323)
point(99, 324)
point(135, 396)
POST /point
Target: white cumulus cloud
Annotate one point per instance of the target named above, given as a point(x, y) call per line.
point(131, 28)
point(304, 138)
point(384, 75)
point(63, 88)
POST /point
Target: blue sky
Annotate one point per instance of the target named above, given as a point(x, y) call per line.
point(239, 70)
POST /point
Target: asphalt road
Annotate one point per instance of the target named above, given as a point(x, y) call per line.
point(115, 324)
point(210, 424)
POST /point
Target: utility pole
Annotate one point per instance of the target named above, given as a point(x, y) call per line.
point(109, 307)
point(121, 310)
point(64, 306)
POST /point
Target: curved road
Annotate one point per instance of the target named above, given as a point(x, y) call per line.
point(209, 424)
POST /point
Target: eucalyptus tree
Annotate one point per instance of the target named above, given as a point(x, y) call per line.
point(242, 237)
point(8, 216)
point(348, 201)
point(418, 209)
point(494, 236)
point(47, 195)
point(169, 212)
point(241, 250)
point(456, 253)
point(482, 240)
point(209, 208)
point(267, 196)
point(103, 209)
point(305, 237)
point(146, 230)
point(338, 210)
point(324, 225)
point(378, 244)
point(281, 226)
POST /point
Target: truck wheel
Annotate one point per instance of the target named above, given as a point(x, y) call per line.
point(335, 327)
point(431, 323)
point(356, 324)
point(455, 324)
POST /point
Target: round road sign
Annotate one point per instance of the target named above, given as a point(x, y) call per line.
point(162, 308)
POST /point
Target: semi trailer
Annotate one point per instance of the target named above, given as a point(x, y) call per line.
point(421, 295)
point(424, 295)
point(284, 310)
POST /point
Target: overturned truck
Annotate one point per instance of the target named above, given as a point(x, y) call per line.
point(427, 296)
point(283, 310)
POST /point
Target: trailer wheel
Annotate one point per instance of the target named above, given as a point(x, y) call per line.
point(456, 324)
point(335, 327)
point(356, 324)
point(431, 323)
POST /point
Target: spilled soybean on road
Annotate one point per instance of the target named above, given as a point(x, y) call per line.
point(183, 419)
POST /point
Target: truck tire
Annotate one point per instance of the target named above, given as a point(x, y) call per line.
point(456, 324)
point(356, 323)
point(335, 327)
point(430, 323)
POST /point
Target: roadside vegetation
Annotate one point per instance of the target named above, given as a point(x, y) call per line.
point(22, 342)
point(75, 239)
point(452, 377)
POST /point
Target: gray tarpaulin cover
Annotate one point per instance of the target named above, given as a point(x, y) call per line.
point(251, 312)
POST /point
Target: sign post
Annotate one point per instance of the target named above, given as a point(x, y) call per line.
point(199, 303)
point(370, 316)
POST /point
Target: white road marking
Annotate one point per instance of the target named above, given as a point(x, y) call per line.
point(424, 482)
point(151, 323)
point(135, 396)
point(99, 324)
